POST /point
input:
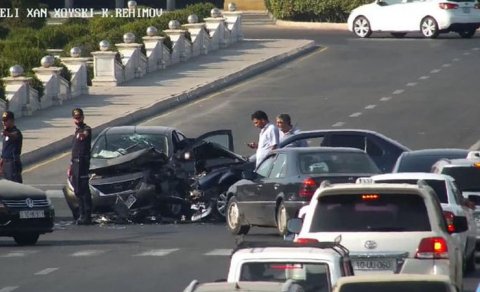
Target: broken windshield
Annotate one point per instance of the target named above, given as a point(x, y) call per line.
point(114, 145)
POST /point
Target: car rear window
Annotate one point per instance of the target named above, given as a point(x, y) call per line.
point(311, 276)
point(439, 186)
point(371, 212)
point(414, 286)
point(466, 177)
point(336, 162)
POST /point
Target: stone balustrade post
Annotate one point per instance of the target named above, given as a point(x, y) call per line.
point(78, 67)
point(154, 49)
point(233, 19)
point(180, 48)
point(49, 77)
point(55, 52)
point(17, 94)
point(132, 60)
point(218, 31)
point(105, 69)
point(199, 36)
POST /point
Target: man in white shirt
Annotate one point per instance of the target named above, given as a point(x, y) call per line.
point(268, 137)
point(284, 124)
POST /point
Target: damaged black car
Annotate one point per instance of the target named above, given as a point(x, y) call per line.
point(139, 172)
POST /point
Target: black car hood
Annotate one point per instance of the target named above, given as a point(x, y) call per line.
point(12, 190)
point(131, 161)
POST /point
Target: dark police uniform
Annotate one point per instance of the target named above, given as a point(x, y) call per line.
point(12, 148)
point(80, 167)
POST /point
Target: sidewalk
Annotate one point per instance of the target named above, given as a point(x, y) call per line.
point(49, 131)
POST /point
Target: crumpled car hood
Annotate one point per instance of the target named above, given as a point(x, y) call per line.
point(129, 162)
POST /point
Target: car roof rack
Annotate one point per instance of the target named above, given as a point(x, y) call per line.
point(289, 286)
point(334, 245)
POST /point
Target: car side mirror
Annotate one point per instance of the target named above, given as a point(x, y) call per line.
point(460, 223)
point(248, 174)
point(294, 225)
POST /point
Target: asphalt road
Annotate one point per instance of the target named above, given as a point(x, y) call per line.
point(420, 92)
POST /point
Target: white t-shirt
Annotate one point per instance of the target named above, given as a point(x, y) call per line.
point(268, 138)
point(293, 131)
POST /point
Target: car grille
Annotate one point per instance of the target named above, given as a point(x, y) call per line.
point(22, 203)
point(118, 186)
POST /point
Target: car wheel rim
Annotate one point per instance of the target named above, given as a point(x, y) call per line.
point(233, 216)
point(222, 204)
point(282, 218)
point(428, 27)
point(361, 27)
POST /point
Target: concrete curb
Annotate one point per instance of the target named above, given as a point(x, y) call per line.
point(62, 145)
point(313, 25)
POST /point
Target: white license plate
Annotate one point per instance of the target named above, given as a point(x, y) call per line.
point(466, 9)
point(374, 265)
point(32, 214)
point(130, 201)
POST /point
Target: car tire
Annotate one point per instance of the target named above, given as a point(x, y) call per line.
point(470, 263)
point(429, 27)
point(282, 218)
point(220, 207)
point(234, 220)
point(398, 35)
point(361, 27)
point(26, 238)
point(467, 34)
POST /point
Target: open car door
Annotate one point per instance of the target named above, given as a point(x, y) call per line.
point(221, 137)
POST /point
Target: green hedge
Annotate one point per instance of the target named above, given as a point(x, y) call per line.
point(313, 10)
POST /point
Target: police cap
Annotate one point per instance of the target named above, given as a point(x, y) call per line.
point(8, 115)
point(77, 112)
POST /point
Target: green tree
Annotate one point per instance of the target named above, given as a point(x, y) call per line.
point(22, 20)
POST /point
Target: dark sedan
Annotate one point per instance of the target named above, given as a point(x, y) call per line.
point(423, 160)
point(383, 150)
point(25, 212)
point(286, 181)
point(144, 171)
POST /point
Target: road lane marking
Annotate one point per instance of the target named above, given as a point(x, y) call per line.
point(46, 271)
point(86, 253)
point(446, 65)
point(456, 59)
point(16, 254)
point(424, 77)
point(410, 84)
point(338, 124)
point(157, 252)
point(467, 53)
point(33, 167)
point(370, 106)
point(219, 252)
point(54, 193)
point(435, 71)
point(385, 98)
point(355, 115)
point(398, 91)
point(8, 289)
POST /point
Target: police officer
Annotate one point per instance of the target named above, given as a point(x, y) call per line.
point(10, 163)
point(80, 164)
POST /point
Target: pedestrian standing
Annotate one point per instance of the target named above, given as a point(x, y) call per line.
point(268, 137)
point(80, 165)
point(284, 124)
point(10, 164)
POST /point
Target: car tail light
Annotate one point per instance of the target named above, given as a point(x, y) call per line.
point(370, 197)
point(432, 248)
point(308, 187)
point(447, 6)
point(449, 218)
point(302, 240)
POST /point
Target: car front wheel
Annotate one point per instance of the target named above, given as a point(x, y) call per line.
point(26, 238)
point(361, 27)
point(282, 218)
point(429, 27)
point(234, 221)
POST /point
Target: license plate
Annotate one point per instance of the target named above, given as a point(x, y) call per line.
point(130, 201)
point(466, 9)
point(373, 265)
point(32, 214)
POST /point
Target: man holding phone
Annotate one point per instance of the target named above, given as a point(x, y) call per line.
point(268, 137)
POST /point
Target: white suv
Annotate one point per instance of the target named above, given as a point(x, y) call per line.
point(453, 204)
point(388, 228)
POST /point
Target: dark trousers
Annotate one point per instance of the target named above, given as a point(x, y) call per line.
point(12, 170)
point(82, 189)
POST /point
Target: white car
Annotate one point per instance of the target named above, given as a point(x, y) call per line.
point(316, 267)
point(453, 204)
point(430, 17)
point(388, 228)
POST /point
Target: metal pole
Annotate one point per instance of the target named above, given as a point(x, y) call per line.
point(68, 3)
point(119, 3)
point(170, 5)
